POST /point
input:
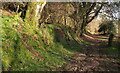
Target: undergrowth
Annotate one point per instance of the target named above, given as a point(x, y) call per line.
point(26, 47)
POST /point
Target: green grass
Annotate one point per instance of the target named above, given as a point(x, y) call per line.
point(113, 51)
point(26, 47)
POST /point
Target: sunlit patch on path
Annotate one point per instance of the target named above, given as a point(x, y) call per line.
point(93, 58)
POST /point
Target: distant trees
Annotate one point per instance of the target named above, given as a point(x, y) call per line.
point(80, 13)
point(110, 14)
point(85, 12)
point(107, 27)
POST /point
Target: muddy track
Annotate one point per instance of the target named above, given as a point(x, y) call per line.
point(93, 59)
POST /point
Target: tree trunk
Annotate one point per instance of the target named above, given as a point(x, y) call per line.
point(33, 13)
point(110, 40)
point(82, 29)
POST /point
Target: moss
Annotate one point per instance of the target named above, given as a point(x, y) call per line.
point(27, 47)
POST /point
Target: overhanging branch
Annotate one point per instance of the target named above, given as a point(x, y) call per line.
point(95, 14)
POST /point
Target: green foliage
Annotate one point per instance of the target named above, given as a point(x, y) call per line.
point(107, 27)
point(112, 51)
point(27, 47)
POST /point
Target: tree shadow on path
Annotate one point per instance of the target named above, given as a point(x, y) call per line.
point(97, 56)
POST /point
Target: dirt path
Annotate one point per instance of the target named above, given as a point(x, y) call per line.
point(93, 58)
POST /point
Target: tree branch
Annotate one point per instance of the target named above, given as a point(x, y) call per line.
point(95, 14)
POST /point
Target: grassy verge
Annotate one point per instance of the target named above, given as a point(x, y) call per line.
point(26, 47)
